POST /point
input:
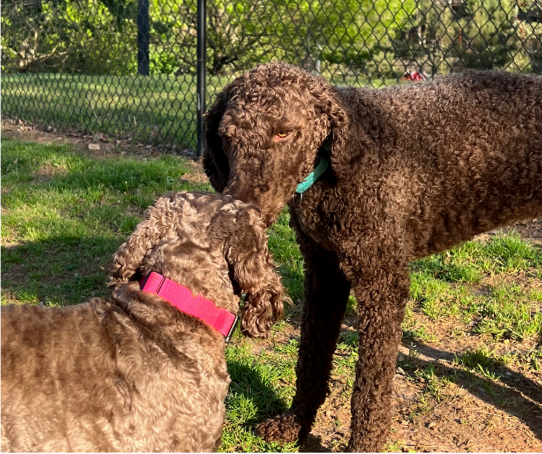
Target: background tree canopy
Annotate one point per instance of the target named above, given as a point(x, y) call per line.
point(340, 38)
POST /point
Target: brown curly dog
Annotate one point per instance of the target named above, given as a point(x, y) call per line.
point(135, 373)
point(413, 170)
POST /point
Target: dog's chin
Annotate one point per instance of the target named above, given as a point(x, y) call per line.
point(271, 215)
point(270, 219)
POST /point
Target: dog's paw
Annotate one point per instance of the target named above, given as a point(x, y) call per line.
point(286, 428)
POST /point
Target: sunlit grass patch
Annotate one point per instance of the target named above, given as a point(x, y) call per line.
point(509, 313)
point(445, 285)
point(469, 262)
point(282, 243)
point(435, 297)
point(510, 253)
point(61, 230)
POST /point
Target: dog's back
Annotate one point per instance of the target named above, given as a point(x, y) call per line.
point(101, 377)
point(40, 350)
point(455, 157)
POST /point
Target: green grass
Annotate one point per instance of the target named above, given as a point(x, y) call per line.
point(114, 105)
point(120, 106)
point(447, 284)
point(471, 261)
point(286, 253)
point(64, 213)
point(510, 313)
point(261, 388)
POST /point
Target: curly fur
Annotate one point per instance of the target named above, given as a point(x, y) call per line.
point(134, 373)
point(414, 170)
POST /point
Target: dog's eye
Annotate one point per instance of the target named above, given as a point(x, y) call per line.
point(282, 135)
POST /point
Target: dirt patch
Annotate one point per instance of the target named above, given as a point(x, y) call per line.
point(467, 416)
point(460, 417)
point(526, 280)
point(530, 230)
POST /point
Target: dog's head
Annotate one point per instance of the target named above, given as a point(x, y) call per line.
point(266, 132)
point(212, 244)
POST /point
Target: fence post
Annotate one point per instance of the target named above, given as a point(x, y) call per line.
point(143, 37)
point(201, 73)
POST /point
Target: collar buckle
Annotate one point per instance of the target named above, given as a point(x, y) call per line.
point(227, 338)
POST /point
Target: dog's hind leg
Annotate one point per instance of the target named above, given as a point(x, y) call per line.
point(326, 295)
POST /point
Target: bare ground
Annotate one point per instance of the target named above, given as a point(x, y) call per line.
point(469, 413)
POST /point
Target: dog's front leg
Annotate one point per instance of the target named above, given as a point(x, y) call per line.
point(326, 294)
point(381, 287)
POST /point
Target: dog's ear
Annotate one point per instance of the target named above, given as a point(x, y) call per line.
point(130, 255)
point(215, 162)
point(251, 264)
point(343, 153)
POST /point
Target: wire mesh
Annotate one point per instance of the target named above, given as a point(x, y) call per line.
point(74, 64)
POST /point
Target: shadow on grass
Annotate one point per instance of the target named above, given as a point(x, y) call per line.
point(248, 384)
point(250, 388)
point(508, 396)
point(57, 271)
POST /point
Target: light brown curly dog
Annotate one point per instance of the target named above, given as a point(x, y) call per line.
point(413, 170)
point(134, 373)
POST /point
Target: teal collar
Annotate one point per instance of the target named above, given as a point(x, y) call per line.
point(313, 176)
point(318, 170)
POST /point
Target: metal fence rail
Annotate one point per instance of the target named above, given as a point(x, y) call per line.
point(128, 67)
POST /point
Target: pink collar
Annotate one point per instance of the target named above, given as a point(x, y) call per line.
point(197, 306)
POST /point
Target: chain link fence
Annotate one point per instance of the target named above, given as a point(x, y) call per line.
point(74, 64)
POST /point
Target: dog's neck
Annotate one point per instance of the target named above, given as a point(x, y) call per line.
point(196, 267)
point(184, 300)
point(319, 169)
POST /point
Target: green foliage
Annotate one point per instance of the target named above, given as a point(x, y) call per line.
point(482, 34)
point(373, 39)
point(76, 36)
